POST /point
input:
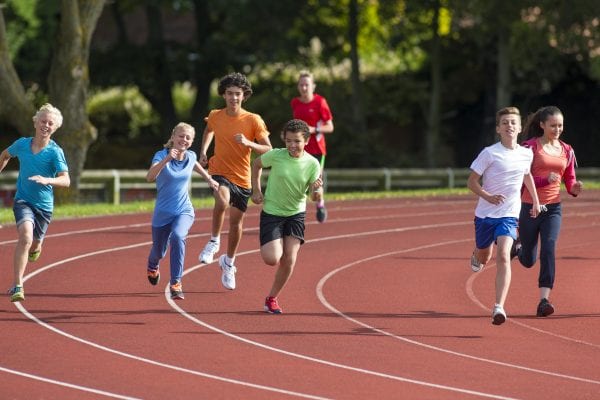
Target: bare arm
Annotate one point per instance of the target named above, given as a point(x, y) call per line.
point(158, 166)
point(257, 195)
point(207, 138)
point(62, 179)
point(4, 158)
point(214, 185)
point(475, 187)
point(530, 185)
point(261, 147)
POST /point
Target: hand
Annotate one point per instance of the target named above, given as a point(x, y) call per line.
point(174, 154)
point(39, 179)
point(495, 199)
point(241, 139)
point(257, 197)
point(577, 188)
point(203, 160)
point(553, 177)
point(214, 185)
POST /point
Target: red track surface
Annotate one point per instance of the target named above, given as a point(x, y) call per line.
point(382, 305)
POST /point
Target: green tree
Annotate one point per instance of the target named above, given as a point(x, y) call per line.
point(68, 81)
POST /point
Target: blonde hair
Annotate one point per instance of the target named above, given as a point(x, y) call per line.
point(50, 109)
point(183, 126)
point(507, 111)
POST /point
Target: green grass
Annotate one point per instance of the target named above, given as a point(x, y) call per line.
point(87, 210)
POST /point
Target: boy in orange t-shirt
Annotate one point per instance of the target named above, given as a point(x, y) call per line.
point(236, 133)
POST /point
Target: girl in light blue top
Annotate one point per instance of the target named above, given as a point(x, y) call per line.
point(173, 212)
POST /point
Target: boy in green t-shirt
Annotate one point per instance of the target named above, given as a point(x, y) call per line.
point(293, 173)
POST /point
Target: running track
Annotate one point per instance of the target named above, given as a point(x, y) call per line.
point(382, 305)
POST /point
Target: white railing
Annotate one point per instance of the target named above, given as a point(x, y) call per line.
point(114, 185)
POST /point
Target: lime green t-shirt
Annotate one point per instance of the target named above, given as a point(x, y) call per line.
point(288, 182)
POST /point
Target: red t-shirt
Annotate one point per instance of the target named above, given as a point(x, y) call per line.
point(312, 112)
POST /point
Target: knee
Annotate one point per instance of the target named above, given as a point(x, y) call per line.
point(526, 263)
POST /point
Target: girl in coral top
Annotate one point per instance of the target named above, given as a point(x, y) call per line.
point(553, 162)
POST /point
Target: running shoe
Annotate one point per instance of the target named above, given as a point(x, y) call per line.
point(177, 291)
point(476, 266)
point(153, 276)
point(321, 214)
point(209, 251)
point(515, 249)
point(16, 293)
point(271, 305)
point(228, 273)
point(35, 255)
point(498, 315)
point(544, 309)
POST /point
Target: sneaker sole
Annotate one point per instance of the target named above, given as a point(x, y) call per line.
point(498, 319)
point(16, 299)
point(272, 311)
point(178, 297)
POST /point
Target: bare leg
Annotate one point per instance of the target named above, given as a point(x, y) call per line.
point(503, 271)
point(21, 255)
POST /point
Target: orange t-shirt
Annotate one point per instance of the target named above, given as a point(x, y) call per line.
point(231, 159)
point(544, 163)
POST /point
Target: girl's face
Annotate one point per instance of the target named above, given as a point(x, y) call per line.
point(552, 126)
point(295, 143)
point(45, 125)
point(182, 139)
point(234, 96)
point(306, 87)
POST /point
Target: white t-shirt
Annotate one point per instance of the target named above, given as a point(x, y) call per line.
point(502, 172)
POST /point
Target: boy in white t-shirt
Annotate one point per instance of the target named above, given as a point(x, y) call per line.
point(502, 168)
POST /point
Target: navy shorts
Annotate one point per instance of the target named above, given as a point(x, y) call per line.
point(238, 196)
point(273, 227)
point(24, 211)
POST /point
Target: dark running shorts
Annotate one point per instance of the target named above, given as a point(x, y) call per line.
point(238, 196)
point(273, 227)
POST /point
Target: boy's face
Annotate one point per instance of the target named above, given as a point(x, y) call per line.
point(45, 125)
point(306, 86)
point(294, 143)
point(509, 126)
point(234, 96)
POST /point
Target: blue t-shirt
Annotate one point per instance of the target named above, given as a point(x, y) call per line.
point(47, 163)
point(172, 183)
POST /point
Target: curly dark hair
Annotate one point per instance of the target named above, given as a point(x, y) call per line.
point(235, 79)
point(296, 125)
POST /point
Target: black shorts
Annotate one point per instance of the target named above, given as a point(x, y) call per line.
point(238, 196)
point(273, 227)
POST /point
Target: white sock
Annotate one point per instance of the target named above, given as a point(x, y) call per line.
point(215, 239)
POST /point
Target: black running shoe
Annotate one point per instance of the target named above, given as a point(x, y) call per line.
point(544, 309)
point(515, 249)
point(153, 277)
point(321, 214)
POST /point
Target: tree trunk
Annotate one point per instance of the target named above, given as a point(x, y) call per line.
point(357, 98)
point(433, 118)
point(503, 92)
point(14, 106)
point(68, 83)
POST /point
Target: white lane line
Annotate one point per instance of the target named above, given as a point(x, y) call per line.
point(32, 317)
point(475, 299)
point(66, 384)
point(328, 305)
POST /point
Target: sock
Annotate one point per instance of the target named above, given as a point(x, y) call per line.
point(229, 260)
point(215, 238)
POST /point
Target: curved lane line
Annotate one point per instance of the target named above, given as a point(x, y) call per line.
point(324, 301)
point(66, 384)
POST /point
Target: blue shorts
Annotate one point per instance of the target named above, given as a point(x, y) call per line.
point(40, 219)
point(487, 230)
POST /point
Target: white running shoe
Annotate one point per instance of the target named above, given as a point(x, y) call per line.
point(228, 273)
point(476, 266)
point(209, 251)
point(498, 315)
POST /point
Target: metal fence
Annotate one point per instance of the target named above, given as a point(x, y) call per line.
point(116, 186)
